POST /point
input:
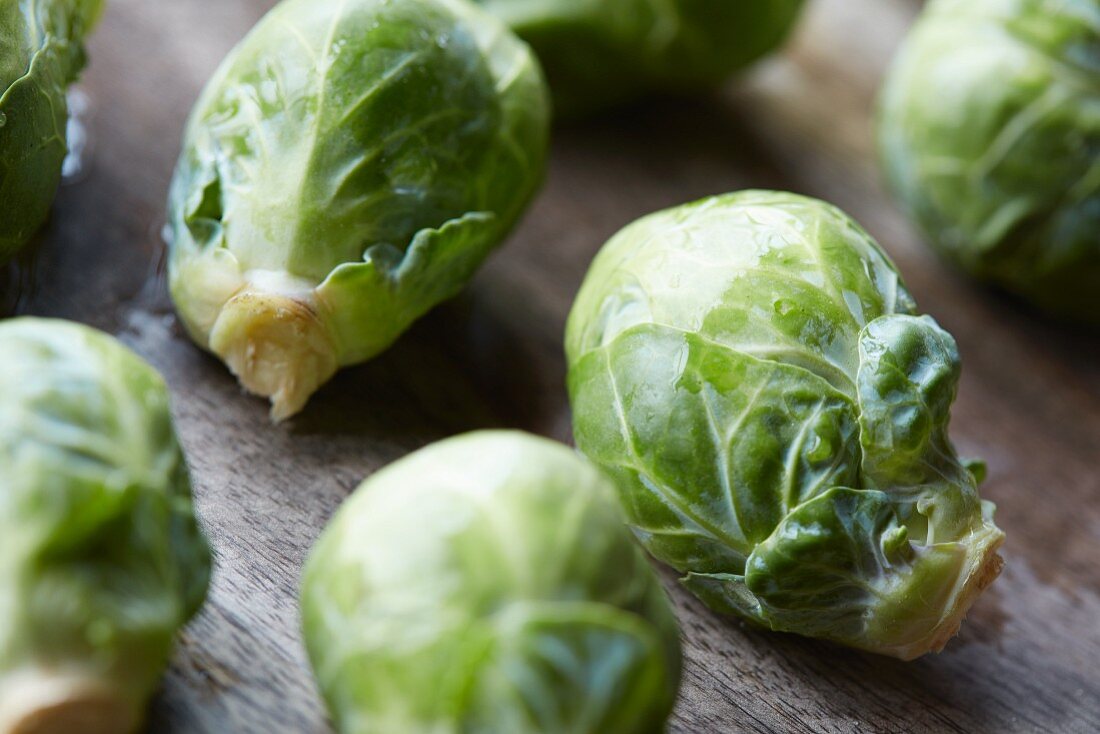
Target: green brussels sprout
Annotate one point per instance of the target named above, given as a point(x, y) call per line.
point(487, 584)
point(752, 372)
point(989, 132)
point(41, 54)
point(348, 167)
point(103, 561)
point(598, 53)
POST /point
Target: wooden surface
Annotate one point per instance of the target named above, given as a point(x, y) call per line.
point(1028, 658)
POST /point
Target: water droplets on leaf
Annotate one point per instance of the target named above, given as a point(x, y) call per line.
point(336, 49)
point(820, 450)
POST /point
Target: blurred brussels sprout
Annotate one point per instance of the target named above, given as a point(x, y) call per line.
point(41, 53)
point(487, 584)
point(752, 372)
point(598, 53)
point(348, 167)
point(103, 561)
point(989, 132)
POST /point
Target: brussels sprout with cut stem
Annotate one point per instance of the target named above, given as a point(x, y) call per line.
point(487, 583)
point(599, 53)
point(348, 167)
point(102, 558)
point(41, 54)
point(754, 375)
point(989, 131)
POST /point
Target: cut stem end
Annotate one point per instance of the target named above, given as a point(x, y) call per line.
point(277, 346)
point(43, 703)
point(978, 581)
point(983, 568)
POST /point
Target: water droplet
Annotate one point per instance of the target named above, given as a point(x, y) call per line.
point(269, 92)
point(3, 119)
point(76, 133)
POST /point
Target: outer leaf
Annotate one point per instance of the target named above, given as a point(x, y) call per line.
point(394, 289)
point(714, 445)
point(486, 584)
point(103, 560)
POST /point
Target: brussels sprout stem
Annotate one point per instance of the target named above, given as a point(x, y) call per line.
point(277, 346)
point(983, 573)
point(45, 702)
point(982, 566)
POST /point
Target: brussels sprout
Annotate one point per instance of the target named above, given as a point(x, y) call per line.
point(598, 53)
point(347, 168)
point(41, 53)
point(753, 373)
point(103, 560)
point(989, 132)
point(487, 584)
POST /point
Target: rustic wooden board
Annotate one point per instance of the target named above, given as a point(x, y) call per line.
point(1027, 660)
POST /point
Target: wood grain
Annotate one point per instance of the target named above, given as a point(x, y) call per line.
point(1028, 659)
